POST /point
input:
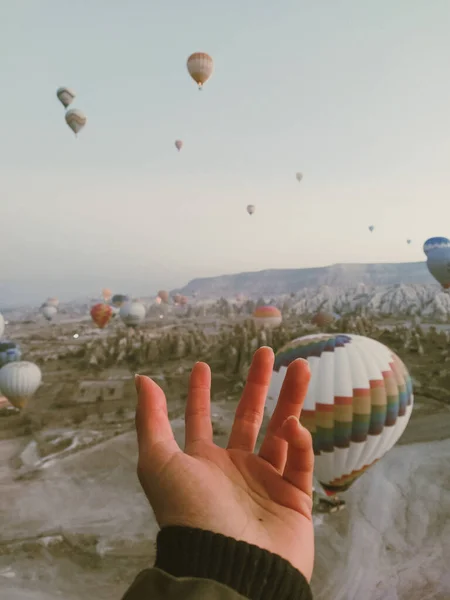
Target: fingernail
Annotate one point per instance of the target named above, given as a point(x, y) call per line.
point(292, 418)
point(137, 382)
point(302, 360)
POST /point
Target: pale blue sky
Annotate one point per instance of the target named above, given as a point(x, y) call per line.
point(356, 95)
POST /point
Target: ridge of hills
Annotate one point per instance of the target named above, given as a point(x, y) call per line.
point(273, 282)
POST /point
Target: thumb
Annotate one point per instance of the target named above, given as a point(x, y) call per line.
point(154, 431)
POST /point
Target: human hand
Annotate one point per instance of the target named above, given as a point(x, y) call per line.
point(263, 499)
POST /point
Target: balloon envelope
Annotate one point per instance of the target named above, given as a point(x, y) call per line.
point(106, 294)
point(371, 228)
point(101, 314)
point(65, 96)
point(323, 319)
point(118, 299)
point(132, 313)
point(438, 263)
point(299, 176)
point(434, 243)
point(76, 120)
point(19, 381)
point(52, 302)
point(164, 295)
point(358, 403)
point(9, 352)
point(251, 209)
point(200, 66)
point(267, 316)
point(178, 145)
point(49, 311)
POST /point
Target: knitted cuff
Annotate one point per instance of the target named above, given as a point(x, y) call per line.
point(251, 571)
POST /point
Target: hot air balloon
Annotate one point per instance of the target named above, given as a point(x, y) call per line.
point(358, 403)
point(164, 295)
point(101, 314)
point(19, 381)
point(65, 96)
point(49, 311)
point(267, 316)
point(76, 120)
point(299, 176)
point(408, 241)
point(2, 325)
point(183, 300)
point(371, 228)
point(435, 243)
point(251, 209)
point(323, 319)
point(106, 294)
point(52, 302)
point(119, 299)
point(438, 260)
point(132, 313)
point(9, 352)
point(178, 145)
point(200, 66)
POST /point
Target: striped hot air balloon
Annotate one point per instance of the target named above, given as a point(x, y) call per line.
point(101, 314)
point(76, 120)
point(358, 404)
point(65, 95)
point(267, 316)
point(200, 66)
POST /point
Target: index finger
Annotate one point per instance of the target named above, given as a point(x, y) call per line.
point(152, 422)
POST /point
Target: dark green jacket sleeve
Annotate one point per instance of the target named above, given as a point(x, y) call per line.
point(193, 564)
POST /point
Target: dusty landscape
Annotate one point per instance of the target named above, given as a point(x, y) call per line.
point(75, 523)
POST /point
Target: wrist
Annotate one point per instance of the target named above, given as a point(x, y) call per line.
point(251, 571)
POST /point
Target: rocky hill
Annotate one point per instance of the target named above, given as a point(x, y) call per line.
point(426, 301)
point(281, 281)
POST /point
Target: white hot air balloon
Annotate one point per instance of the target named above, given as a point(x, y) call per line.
point(65, 95)
point(299, 176)
point(132, 313)
point(76, 120)
point(49, 311)
point(178, 144)
point(358, 403)
point(251, 209)
point(19, 382)
point(200, 66)
point(2, 325)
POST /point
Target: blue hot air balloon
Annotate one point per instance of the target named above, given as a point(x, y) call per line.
point(434, 243)
point(9, 352)
point(437, 250)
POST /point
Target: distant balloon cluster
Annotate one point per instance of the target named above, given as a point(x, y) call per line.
point(75, 118)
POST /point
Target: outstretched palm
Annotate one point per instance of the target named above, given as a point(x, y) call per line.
point(263, 499)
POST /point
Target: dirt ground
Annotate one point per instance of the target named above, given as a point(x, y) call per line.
point(75, 523)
